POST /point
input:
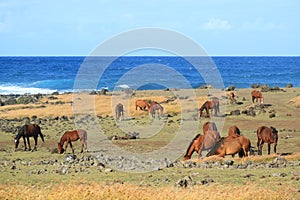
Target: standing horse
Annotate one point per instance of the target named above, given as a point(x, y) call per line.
point(207, 105)
point(119, 110)
point(142, 104)
point(209, 141)
point(26, 131)
point(232, 98)
point(70, 136)
point(209, 126)
point(231, 146)
point(156, 108)
point(268, 135)
point(255, 94)
point(195, 145)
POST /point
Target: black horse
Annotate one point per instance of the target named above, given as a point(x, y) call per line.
point(26, 131)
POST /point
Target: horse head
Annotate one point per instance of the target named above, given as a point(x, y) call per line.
point(60, 149)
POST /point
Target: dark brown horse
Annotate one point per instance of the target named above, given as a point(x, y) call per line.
point(70, 136)
point(255, 94)
point(212, 105)
point(26, 131)
point(268, 135)
point(142, 104)
point(119, 110)
point(195, 145)
point(209, 126)
point(156, 108)
point(231, 146)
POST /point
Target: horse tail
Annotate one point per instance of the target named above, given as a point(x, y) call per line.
point(40, 133)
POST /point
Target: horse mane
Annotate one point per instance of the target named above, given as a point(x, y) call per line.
point(217, 145)
point(191, 143)
point(203, 106)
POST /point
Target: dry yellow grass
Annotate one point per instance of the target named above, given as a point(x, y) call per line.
point(84, 190)
point(295, 102)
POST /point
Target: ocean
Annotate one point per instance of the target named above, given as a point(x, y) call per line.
point(32, 75)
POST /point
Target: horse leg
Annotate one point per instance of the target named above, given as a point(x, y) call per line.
point(71, 147)
point(275, 145)
point(258, 147)
point(261, 147)
point(35, 143)
point(28, 141)
point(25, 146)
point(269, 147)
point(66, 146)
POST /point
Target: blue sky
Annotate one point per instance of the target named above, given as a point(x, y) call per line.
point(221, 27)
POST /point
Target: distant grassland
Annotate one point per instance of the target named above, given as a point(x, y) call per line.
point(228, 183)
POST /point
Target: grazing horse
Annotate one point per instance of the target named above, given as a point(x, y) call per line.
point(231, 146)
point(26, 131)
point(268, 135)
point(156, 108)
point(119, 110)
point(70, 136)
point(209, 141)
point(257, 95)
point(209, 126)
point(142, 104)
point(207, 105)
point(234, 131)
point(195, 145)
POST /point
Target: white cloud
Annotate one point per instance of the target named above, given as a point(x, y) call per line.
point(216, 24)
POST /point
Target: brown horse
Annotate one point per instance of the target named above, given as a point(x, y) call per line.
point(119, 110)
point(70, 136)
point(195, 145)
point(142, 104)
point(231, 146)
point(209, 141)
point(212, 105)
point(26, 131)
point(268, 135)
point(209, 126)
point(232, 98)
point(255, 94)
point(156, 108)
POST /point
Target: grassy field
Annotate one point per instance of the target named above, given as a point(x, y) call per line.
point(43, 174)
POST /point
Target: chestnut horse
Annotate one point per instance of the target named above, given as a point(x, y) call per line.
point(70, 136)
point(142, 104)
point(195, 145)
point(26, 131)
point(119, 110)
point(268, 135)
point(156, 108)
point(212, 105)
point(257, 95)
point(209, 126)
point(231, 146)
point(232, 97)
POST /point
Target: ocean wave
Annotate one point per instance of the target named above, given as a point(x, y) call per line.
point(13, 89)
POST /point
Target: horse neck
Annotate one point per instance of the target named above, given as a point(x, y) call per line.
point(62, 140)
point(203, 106)
point(190, 150)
